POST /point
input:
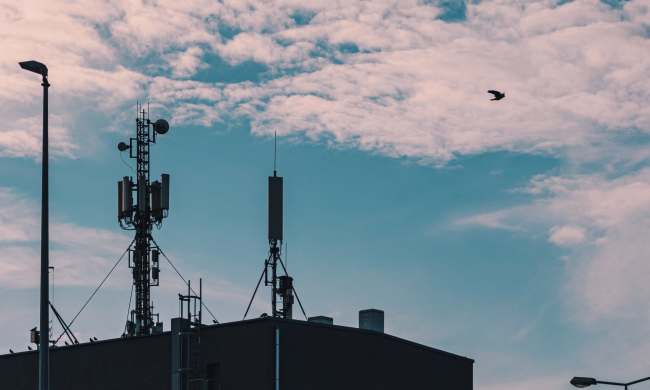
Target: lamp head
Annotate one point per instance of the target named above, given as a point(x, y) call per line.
point(161, 126)
point(122, 146)
point(581, 382)
point(34, 66)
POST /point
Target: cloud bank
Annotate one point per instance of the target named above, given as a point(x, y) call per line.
point(387, 76)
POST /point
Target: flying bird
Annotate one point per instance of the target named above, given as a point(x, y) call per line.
point(497, 95)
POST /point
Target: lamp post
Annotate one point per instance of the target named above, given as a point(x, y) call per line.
point(44, 340)
point(580, 382)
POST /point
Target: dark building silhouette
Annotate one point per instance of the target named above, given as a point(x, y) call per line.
point(264, 353)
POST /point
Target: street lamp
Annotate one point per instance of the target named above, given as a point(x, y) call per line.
point(44, 341)
point(580, 382)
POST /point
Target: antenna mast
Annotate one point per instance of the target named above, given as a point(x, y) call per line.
point(152, 205)
point(281, 286)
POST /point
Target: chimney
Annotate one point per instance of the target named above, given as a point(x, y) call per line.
point(371, 319)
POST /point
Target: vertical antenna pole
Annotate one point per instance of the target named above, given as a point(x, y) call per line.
point(44, 341)
point(189, 294)
point(274, 278)
point(275, 228)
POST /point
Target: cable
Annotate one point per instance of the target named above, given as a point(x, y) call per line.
point(65, 327)
point(125, 163)
point(254, 292)
point(96, 289)
point(182, 278)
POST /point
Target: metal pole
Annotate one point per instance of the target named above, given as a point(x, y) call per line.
point(44, 342)
point(274, 276)
point(277, 358)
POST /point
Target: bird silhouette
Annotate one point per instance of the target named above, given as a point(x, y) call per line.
point(28, 347)
point(11, 351)
point(497, 95)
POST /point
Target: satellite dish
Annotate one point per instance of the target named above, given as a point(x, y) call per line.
point(161, 126)
point(122, 146)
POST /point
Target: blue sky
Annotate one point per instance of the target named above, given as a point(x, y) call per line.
point(512, 232)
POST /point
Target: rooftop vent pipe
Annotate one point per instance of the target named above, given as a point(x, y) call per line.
point(371, 319)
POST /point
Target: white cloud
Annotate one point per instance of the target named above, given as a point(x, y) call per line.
point(573, 74)
point(17, 218)
point(81, 255)
point(605, 221)
point(142, 27)
point(83, 67)
point(566, 235)
point(254, 47)
point(186, 63)
point(500, 219)
point(25, 140)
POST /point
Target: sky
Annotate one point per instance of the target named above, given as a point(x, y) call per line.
point(512, 232)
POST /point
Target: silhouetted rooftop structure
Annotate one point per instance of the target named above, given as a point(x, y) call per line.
point(263, 353)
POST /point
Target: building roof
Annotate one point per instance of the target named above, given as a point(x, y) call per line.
point(259, 320)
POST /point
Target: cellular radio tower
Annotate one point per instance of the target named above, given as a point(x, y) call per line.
point(150, 208)
point(281, 286)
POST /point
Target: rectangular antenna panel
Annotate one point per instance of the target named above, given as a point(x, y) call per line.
point(142, 194)
point(275, 208)
point(156, 209)
point(164, 196)
point(125, 198)
point(120, 200)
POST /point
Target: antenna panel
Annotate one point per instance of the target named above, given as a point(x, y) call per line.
point(120, 200)
point(155, 269)
point(164, 193)
point(142, 194)
point(275, 208)
point(125, 199)
point(156, 209)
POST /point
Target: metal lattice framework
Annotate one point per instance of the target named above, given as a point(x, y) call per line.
point(152, 203)
point(143, 224)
